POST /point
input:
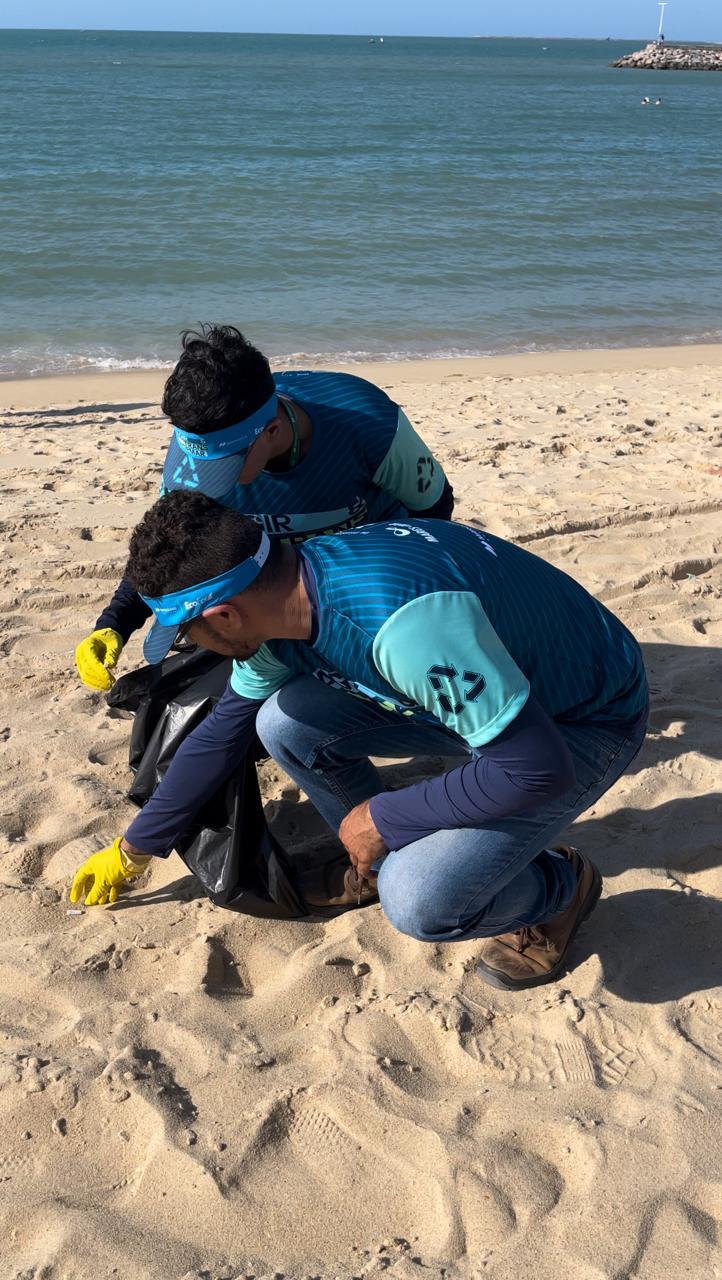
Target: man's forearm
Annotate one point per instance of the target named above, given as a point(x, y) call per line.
point(209, 755)
point(524, 767)
point(125, 613)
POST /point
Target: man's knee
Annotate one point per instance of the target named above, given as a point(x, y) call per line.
point(406, 903)
point(285, 722)
point(272, 725)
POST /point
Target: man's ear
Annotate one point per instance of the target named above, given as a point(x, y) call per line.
point(228, 611)
point(269, 433)
point(272, 428)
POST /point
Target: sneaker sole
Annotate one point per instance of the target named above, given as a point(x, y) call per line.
point(494, 978)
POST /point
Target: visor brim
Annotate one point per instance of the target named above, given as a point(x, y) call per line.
point(158, 643)
point(215, 477)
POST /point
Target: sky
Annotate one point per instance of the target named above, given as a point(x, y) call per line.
point(624, 19)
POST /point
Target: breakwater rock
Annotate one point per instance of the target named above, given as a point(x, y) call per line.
point(674, 57)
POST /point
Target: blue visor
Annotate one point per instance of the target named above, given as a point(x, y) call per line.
point(212, 463)
point(173, 610)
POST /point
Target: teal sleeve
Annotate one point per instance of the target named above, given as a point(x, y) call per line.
point(410, 471)
point(442, 651)
point(259, 676)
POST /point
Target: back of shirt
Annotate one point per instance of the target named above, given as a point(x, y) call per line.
point(364, 454)
point(462, 625)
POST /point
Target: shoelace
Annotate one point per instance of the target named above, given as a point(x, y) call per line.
point(355, 883)
point(529, 936)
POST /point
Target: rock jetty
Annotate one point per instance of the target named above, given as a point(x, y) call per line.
point(674, 57)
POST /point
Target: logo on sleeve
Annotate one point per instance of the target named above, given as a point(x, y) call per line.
point(424, 472)
point(443, 681)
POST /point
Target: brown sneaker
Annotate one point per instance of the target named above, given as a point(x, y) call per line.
point(336, 885)
point(538, 953)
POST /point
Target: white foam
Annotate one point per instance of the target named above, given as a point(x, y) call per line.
point(21, 363)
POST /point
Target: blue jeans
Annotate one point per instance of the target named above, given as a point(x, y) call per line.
point(470, 882)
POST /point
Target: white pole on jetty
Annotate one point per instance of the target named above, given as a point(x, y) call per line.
point(662, 6)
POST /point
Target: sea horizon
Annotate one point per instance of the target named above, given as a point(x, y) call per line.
point(330, 35)
point(437, 197)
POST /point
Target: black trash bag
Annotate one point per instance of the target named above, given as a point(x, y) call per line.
point(229, 847)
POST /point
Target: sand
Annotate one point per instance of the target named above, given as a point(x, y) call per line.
point(190, 1093)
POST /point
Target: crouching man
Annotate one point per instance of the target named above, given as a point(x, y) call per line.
point(410, 638)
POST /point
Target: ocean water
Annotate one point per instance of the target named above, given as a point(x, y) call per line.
point(339, 198)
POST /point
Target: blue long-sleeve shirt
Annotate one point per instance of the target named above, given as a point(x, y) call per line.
point(526, 765)
point(445, 662)
point(126, 612)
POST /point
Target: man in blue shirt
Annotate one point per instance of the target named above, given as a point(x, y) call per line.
point(406, 637)
point(300, 452)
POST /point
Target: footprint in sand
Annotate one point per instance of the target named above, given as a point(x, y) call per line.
point(333, 1157)
point(415, 1043)
point(153, 1079)
point(695, 1242)
point(551, 1049)
point(532, 1185)
point(400, 1053)
point(329, 1148)
point(503, 1189)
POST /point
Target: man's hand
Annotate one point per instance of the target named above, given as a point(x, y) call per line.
point(100, 877)
point(95, 656)
point(361, 839)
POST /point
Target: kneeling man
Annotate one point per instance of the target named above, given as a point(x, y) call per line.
point(407, 638)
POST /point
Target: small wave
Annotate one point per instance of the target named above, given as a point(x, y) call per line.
point(602, 342)
point(115, 363)
point(19, 363)
point(297, 359)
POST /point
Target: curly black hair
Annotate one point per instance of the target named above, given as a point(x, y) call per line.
point(187, 538)
point(220, 379)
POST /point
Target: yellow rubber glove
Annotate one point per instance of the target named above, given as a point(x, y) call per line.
point(100, 877)
point(95, 655)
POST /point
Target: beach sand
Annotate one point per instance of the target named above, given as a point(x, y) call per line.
point(186, 1092)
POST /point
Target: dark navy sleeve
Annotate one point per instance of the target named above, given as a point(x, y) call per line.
point(126, 611)
point(202, 763)
point(528, 764)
